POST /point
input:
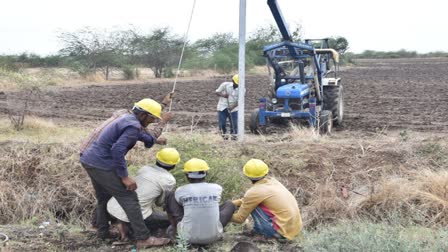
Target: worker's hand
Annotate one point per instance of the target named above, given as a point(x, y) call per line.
point(237, 202)
point(129, 183)
point(167, 99)
point(167, 116)
point(161, 140)
point(222, 94)
point(231, 107)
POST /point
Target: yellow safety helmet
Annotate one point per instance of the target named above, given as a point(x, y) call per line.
point(168, 156)
point(255, 169)
point(195, 165)
point(236, 79)
point(150, 106)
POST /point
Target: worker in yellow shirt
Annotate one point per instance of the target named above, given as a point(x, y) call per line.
point(273, 208)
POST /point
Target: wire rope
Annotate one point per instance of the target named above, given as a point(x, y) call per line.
point(182, 53)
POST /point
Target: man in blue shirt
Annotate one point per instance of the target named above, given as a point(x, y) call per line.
point(104, 161)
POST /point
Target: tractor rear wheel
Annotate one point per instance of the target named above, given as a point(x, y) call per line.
point(334, 101)
point(325, 122)
point(254, 125)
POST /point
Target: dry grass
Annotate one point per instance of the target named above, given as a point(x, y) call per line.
point(383, 175)
point(45, 77)
point(42, 180)
point(39, 77)
point(422, 197)
point(38, 130)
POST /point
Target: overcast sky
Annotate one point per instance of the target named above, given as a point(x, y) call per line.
point(387, 25)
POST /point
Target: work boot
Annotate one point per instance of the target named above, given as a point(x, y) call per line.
point(152, 242)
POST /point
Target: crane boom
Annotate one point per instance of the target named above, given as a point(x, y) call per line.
point(273, 5)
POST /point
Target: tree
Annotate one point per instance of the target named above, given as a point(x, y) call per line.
point(220, 52)
point(217, 42)
point(267, 35)
point(339, 43)
point(92, 49)
point(159, 50)
point(225, 60)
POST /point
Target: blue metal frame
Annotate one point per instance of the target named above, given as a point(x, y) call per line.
point(297, 45)
point(309, 115)
point(296, 51)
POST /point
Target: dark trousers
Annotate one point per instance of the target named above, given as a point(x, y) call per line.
point(107, 185)
point(173, 208)
point(154, 222)
point(222, 121)
point(157, 220)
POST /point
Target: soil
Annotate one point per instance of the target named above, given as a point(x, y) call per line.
point(378, 95)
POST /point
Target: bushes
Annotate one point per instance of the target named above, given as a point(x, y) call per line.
point(370, 54)
point(128, 72)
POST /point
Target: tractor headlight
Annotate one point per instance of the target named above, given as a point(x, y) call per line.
point(274, 101)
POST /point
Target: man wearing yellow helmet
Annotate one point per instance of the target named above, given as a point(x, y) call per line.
point(195, 210)
point(228, 106)
point(153, 184)
point(273, 208)
point(104, 160)
point(117, 114)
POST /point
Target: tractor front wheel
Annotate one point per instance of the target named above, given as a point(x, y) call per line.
point(254, 125)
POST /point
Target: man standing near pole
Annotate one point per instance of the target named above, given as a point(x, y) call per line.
point(228, 106)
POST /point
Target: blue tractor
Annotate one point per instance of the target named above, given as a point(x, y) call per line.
point(305, 83)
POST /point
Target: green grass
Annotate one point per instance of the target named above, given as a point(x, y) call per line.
point(225, 163)
point(435, 152)
point(369, 236)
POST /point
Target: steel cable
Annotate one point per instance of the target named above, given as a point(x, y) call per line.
point(182, 53)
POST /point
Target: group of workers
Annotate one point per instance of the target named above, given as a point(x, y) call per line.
point(192, 211)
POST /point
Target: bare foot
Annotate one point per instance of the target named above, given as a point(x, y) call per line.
point(152, 242)
point(123, 231)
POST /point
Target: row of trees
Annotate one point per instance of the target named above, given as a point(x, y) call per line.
point(370, 54)
point(89, 50)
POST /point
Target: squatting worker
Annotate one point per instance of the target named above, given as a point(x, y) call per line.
point(273, 208)
point(194, 208)
point(104, 161)
point(153, 184)
point(228, 106)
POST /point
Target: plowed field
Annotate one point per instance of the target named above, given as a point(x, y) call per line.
point(379, 95)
